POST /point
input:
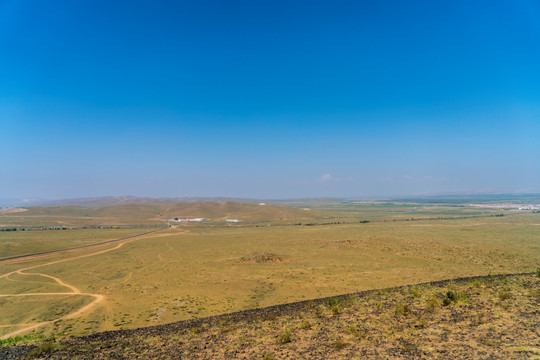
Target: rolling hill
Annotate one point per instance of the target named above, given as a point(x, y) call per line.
point(148, 213)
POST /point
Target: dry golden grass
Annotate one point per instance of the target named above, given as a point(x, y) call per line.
point(176, 275)
point(392, 323)
point(150, 213)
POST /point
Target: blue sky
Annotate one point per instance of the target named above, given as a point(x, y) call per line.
point(268, 99)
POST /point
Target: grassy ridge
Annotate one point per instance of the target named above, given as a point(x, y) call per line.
point(480, 317)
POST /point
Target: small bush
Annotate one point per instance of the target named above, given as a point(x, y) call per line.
point(403, 309)
point(538, 272)
point(319, 311)
point(198, 329)
point(451, 295)
point(338, 344)
point(446, 301)
point(285, 336)
point(333, 302)
point(414, 292)
point(352, 329)
point(433, 303)
point(225, 321)
point(504, 295)
point(305, 325)
point(476, 283)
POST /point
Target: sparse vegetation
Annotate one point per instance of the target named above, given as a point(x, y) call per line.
point(260, 258)
point(43, 349)
point(244, 266)
point(338, 344)
point(360, 329)
point(433, 303)
point(450, 297)
point(504, 295)
point(403, 309)
point(285, 336)
point(305, 325)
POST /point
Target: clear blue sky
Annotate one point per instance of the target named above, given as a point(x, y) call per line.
point(268, 99)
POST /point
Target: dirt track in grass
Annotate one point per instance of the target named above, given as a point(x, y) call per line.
point(22, 328)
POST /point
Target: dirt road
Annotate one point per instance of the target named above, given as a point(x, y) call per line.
point(72, 289)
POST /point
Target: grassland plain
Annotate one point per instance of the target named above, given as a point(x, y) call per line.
point(148, 213)
point(196, 271)
point(493, 317)
point(16, 243)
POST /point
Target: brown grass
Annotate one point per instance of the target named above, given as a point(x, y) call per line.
point(484, 327)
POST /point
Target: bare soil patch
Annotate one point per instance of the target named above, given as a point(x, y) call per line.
point(12, 211)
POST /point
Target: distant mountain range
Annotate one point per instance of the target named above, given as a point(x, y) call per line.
point(101, 201)
point(115, 200)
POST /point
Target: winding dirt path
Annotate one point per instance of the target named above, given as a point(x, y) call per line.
point(74, 290)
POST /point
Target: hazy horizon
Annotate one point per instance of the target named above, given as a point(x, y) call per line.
point(267, 100)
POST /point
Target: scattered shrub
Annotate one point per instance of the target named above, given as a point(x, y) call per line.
point(446, 301)
point(305, 325)
point(225, 321)
point(338, 344)
point(476, 283)
point(421, 323)
point(319, 311)
point(333, 301)
point(197, 329)
point(504, 295)
point(42, 349)
point(451, 296)
point(414, 292)
point(403, 309)
point(432, 304)
point(285, 336)
point(261, 258)
point(352, 329)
